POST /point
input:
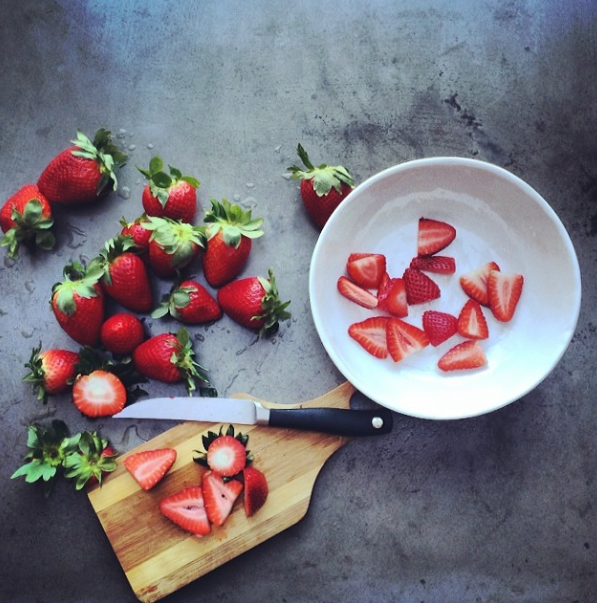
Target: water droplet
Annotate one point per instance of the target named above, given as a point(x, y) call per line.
point(124, 192)
point(132, 147)
point(287, 176)
point(250, 185)
point(249, 203)
point(150, 146)
point(121, 133)
point(9, 262)
point(30, 286)
point(71, 232)
point(27, 334)
point(278, 148)
point(236, 198)
point(199, 337)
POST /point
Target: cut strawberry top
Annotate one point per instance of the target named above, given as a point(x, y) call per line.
point(226, 456)
point(99, 394)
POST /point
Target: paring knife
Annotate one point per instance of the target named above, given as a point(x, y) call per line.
point(336, 421)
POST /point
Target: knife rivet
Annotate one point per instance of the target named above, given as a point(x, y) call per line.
point(377, 422)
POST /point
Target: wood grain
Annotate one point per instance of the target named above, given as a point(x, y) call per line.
point(157, 557)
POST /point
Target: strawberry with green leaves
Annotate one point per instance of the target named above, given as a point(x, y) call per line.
point(26, 216)
point(230, 233)
point(169, 195)
point(121, 333)
point(254, 302)
point(95, 459)
point(322, 188)
point(83, 172)
point(138, 233)
point(51, 371)
point(224, 452)
point(189, 302)
point(99, 394)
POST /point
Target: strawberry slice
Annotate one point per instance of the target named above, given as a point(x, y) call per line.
point(419, 287)
point(504, 292)
point(355, 293)
point(219, 496)
point(471, 321)
point(474, 283)
point(99, 394)
point(439, 264)
point(404, 339)
point(371, 335)
point(186, 509)
point(148, 467)
point(463, 356)
point(226, 456)
point(256, 490)
point(439, 326)
point(366, 269)
point(433, 236)
point(391, 297)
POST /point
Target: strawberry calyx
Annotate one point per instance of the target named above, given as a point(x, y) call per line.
point(94, 459)
point(78, 280)
point(161, 182)
point(113, 248)
point(274, 309)
point(233, 221)
point(183, 357)
point(176, 238)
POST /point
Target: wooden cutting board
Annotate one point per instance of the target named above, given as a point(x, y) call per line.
point(158, 557)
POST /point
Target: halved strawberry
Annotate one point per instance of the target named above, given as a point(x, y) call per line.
point(371, 335)
point(419, 287)
point(439, 326)
point(186, 509)
point(433, 236)
point(471, 321)
point(504, 290)
point(366, 269)
point(226, 456)
point(99, 394)
point(404, 339)
point(474, 282)
point(463, 356)
point(148, 467)
point(439, 264)
point(256, 490)
point(356, 293)
point(219, 496)
point(391, 297)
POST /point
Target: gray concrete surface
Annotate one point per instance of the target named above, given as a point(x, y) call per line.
point(499, 508)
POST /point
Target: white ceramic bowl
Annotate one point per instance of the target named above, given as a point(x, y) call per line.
point(497, 217)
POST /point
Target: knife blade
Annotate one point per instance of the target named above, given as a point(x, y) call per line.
point(335, 421)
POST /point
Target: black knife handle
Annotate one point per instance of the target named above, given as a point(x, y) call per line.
point(334, 421)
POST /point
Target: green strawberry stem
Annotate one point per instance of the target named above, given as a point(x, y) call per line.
point(30, 225)
point(274, 310)
point(190, 369)
point(234, 222)
point(160, 182)
point(79, 280)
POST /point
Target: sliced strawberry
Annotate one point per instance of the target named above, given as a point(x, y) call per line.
point(391, 297)
point(256, 490)
point(419, 287)
point(366, 270)
point(219, 496)
point(99, 394)
point(439, 326)
point(371, 335)
point(433, 236)
point(355, 293)
point(474, 283)
point(463, 356)
point(439, 264)
point(186, 509)
point(148, 467)
point(504, 291)
point(471, 321)
point(404, 339)
point(226, 456)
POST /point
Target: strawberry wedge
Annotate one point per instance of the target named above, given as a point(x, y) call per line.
point(463, 356)
point(504, 291)
point(433, 236)
point(370, 334)
point(404, 339)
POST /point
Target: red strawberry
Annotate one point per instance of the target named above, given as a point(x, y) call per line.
point(419, 287)
point(439, 326)
point(190, 302)
point(230, 234)
point(471, 321)
point(219, 496)
point(366, 270)
point(169, 358)
point(256, 490)
point(51, 371)
point(148, 467)
point(404, 339)
point(474, 282)
point(139, 234)
point(83, 172)
point(356, 294)
point(323, 188)
point(122, 333)
point(254, 302)
point(463, 356)
point(186, 509)
point(99, 394)
point(169, 195)
point(78, 303)
point(26, 216)
point(391, 297)
point(433, 236)
point(439, 264)
point(371, 335)
point(226, 456)
point(504, 291)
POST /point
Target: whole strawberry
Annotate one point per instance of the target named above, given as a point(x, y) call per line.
point(78, 303)
point(138, 233)
point(26, 216)
point(189, 302)
point(51, 371)
point(323, 188)
point(83, 172)
point(169, 195)
point(121, 333)
point(229, 240)
point(254, 302)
